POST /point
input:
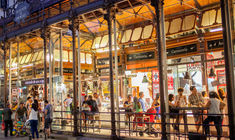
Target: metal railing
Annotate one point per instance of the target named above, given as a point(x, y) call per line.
point(140, 125)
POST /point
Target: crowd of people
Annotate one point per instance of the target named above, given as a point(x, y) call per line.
point(210, 106)
point(37, 114)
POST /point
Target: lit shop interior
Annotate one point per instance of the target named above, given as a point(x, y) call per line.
point(194, 55)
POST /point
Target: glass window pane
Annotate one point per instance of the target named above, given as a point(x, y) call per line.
point(70, 56)
point(28, 58)
point(88, 58)
point(65, 56)
point(34, 57)
point(40, 56)
point(83, 58)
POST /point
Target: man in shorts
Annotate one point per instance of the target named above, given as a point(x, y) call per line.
point(196, 100)
point(47, 117)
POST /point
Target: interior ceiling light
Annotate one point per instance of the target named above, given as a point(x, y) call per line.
point(216, 29)
point(186, 75)
point(212, 73)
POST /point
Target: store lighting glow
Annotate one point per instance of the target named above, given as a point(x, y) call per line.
point(216, 29)
point(96, 46)
point(104, 50)
point(22, 66)
point(49, 58)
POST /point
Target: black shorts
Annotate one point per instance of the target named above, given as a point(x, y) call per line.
point(47, 123)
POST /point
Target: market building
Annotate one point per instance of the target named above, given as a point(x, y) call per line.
point(116, 48)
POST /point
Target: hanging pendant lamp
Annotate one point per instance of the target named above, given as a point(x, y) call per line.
point(212, 73)
point(145, 79)
point(186, 75)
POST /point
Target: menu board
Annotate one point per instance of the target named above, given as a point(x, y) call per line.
point(215, 44)
point(182, 50)
point(141, 56)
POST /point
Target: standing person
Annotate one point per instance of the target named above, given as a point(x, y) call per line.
point(47, 117)
point(214, 114)
point(28, 104)
point(93, 106)
point(156, 105)
point(181, 100)
point(6, 114)
point(98, 101)
point(33, 117)
point(128, 108)
point(67, 104)
point(21, 112)
point(195, 99)
point(142, 102)
point(172, 109)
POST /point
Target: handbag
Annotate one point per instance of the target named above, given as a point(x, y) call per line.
point(3, 125)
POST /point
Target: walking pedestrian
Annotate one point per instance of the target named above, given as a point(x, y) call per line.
point(7, 112)
point(33, 118)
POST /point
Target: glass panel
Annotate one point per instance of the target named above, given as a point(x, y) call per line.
point(65, 56)
point(23, 59)
point(83, 58)
point(188, 22)
point(57, 55)
point(96, 43)
point(126, 36)
point(70, 56)
point(104, 41)
point(28, 58)
point(88, 58)
point(208, 18)
point(175, 25)
point(40, 56)
point(147, 32)
point(136, 34)
point(34, 57)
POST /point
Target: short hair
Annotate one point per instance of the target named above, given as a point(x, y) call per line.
point(85, 96)
point(171, 96)
point(28, 98)
point(141, 93)
point(90, 97)
point(192, 87)
point(46, 101)
point(180, 89)
point(212, 94)
point(68, 95)
point(95, 93)
point(129, 95)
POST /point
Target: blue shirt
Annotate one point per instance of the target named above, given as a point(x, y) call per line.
point(49, 111)
point(142, 104)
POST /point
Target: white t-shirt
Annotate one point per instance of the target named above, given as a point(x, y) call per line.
point(214, 107)
point(33, 115)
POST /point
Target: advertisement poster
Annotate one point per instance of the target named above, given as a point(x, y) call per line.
point(221, 79)
point(155, 79)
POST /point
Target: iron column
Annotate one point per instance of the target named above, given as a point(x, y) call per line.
point(5, 73)
point(75, 89)
point(108, 18)
point(44, 37)
point(228, 56)
point(158, 4)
